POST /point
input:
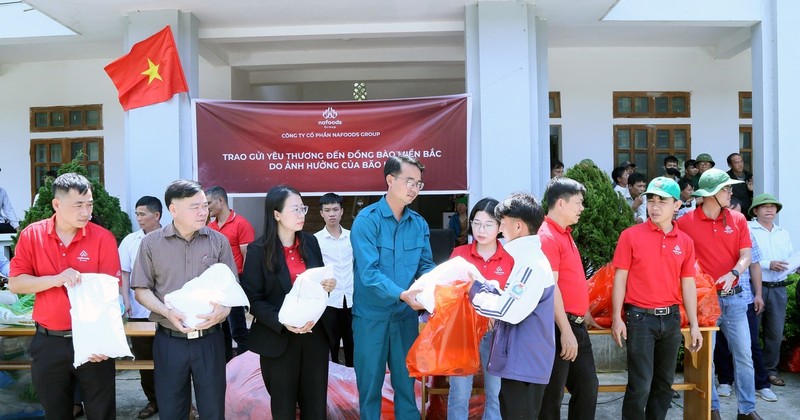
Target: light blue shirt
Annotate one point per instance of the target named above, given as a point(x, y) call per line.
point(389, 256)
point(4, 263)
point(744, 279)
point(7, 213)
point(776, 245)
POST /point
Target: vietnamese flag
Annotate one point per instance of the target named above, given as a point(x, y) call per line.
point(150, 73)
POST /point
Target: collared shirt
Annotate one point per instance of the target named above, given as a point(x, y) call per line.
point(338, 252)
point(167, 261)
point(294, 261)
point(656, 261)
point(7, 213)
point(744, 279)
point(718, 241)
point(40, 252)
point(389, 256)
point(128, 249)
point(560, 249)
point(498, 267)
point(239, 232)
point(776, 245)
point(626, 194)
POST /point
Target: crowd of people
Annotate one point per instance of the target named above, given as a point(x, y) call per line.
point(533, 289)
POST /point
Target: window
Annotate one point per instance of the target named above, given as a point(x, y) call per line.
point(745, 105)
point(554, 98)
point(66, 118)
point(648, 145)
point(50, 154)
point(746, 146)
point(651, 104)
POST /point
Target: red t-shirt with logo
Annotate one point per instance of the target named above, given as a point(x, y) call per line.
point(560, 250)
point(239, 232)
point(294, 261)
point(717, 241)
point(40, 252)
point(655, 261)
point(497, 267)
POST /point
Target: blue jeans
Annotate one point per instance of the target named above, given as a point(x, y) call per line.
point(461, 389)
point(724, 362)
point(733, 323)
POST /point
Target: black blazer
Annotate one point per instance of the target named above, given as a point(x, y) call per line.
point(266, 291)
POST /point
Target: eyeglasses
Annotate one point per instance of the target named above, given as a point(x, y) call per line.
point(727, 189)
point(411, 182)
point(298, 210)
point(476, 225)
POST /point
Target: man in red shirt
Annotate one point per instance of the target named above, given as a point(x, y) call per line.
point(722, 240)
point(239, 233)
point(655, 266)
point(574, 362)
point(51, 254)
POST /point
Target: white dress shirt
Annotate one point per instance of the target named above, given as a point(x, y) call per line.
point(339, 254)
point(128, 249)
point(776, 245)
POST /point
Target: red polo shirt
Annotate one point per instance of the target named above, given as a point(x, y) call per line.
point(40, 252)
point(560, 250)
point(655, 261)
point(239, 232)
point(497, 267)
point(294, 261)
point(717, 241)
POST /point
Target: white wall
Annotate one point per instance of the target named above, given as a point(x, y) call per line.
point(587, 78)
point(50, 84)
point(215, 82)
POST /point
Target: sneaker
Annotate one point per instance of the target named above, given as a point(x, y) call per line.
point(724, 390)
point(766, 394)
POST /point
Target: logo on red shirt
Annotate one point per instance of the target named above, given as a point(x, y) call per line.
point(499, 271)
point(677, 250)
point(728, 230)
point(83, 256)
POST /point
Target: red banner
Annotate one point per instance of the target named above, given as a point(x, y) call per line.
point(318, 147)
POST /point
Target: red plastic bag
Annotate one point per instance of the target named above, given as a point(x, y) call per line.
point(448, 345)
point(793, 364)
point(600, 285)
point(707, 301)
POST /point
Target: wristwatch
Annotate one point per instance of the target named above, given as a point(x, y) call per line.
point(735, 273)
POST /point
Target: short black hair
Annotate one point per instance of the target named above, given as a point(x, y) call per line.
point(691, 163)
point(153, 204)
point(394, 164)
point(636, 177)
point(562, 188)
point(731, 156)
point(683, 182)
point(521, 206)
point(217, 191)
point(487, 205)
point(181, 188)
point(736, 202)
point(331, 198)
point(557, 164)
point(617, 173)
point(51, 173)
point(71, 181)
point(669, 159)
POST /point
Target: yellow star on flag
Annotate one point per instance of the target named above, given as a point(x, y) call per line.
point(152, 71)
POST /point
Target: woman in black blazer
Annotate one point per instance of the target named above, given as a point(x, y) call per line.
point(294, 361)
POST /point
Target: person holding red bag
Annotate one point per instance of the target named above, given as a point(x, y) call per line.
point(486, 253)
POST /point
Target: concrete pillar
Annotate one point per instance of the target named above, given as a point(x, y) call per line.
point(158, 138)
point(776, 88)
point(506, 66)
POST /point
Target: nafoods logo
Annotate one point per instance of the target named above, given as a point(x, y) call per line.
point(330, 120)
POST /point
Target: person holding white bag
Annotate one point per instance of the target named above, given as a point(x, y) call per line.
point(294, 360)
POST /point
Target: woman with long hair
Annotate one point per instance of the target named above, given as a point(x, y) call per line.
point(488, 256)
point(294, 361)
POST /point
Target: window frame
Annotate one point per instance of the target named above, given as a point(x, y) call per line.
point(651, 101)
point(747, 153)
point(66, 156)
point(742, 96)
point(66, 110)
point(556, 98)
point(654, 167)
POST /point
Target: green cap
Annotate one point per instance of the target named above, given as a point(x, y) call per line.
point(712, 181)
point(462, 200)
point(705, 157)
point(762, 199)
point(664, 187)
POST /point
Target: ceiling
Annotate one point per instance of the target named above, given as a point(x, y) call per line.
point(273, 40)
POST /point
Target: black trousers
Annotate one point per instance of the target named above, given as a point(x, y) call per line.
point(54, 380)
point(342, 330)
point(579, 377)
point(520, 400)
point(298, 377)
point(238, 325)
point(7, 228)
point(142, 349)
point(179, 363)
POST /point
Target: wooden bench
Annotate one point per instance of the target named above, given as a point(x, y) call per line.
point(132, 329)
point(697, 381)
